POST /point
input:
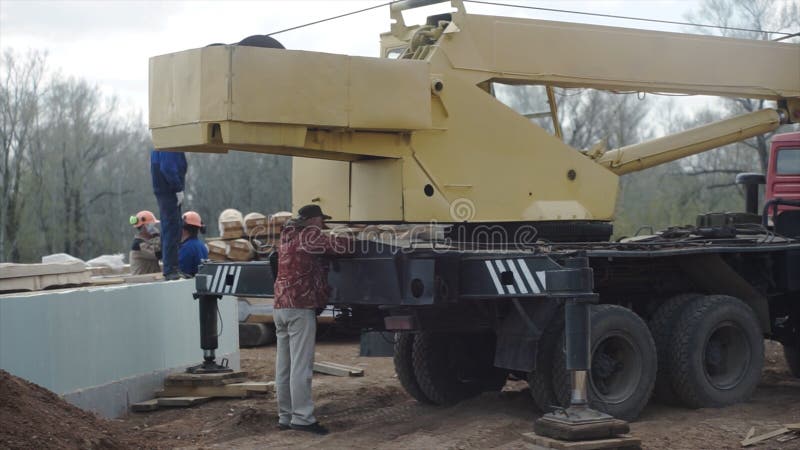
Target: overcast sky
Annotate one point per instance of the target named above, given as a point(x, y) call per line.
point(109, 42)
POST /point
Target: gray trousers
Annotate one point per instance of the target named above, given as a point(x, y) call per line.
point(296, 330)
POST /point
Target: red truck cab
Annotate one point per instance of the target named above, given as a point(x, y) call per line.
point(782, 202)
point(783, 173)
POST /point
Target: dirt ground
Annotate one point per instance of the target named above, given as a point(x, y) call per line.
point(375, 412)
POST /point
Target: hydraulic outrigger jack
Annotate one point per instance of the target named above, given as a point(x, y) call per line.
point(208, 337)
point(579, 421)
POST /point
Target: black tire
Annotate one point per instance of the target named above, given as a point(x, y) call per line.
point(662, 328)
point(404, 366)
point(792, 356)
point(440, 360)
point(624, 364)
point(540, 380)
point(718, 352)
point(482, 348)
point(260, 40)
point(478, 367)
point(255, 334)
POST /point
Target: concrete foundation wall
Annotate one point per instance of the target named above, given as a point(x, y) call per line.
point(104, 348)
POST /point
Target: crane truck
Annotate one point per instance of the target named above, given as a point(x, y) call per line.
point(520, 275)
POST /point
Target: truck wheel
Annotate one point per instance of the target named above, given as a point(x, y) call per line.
point(441, 368)
point(792, 355)
point(255, 334)
point(404, 366)
point(718, 352)
point(624, 366)
point(662, 328)
point(495, 380)
point(540, 380)
point(480, 364)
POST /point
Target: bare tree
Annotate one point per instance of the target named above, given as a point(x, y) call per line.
point(676, 193)
point(587, 116)
point(81, 135)
point(738, 16)
point(249, 182)
point(19, 109)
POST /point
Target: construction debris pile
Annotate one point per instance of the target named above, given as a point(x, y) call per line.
point(34, 417)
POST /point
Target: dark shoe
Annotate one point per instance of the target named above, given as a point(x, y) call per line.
point(176, 276)
point(315, 428)
point(284, 427)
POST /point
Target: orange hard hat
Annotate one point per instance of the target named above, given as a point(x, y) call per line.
point(192, 218)
point(143, 218)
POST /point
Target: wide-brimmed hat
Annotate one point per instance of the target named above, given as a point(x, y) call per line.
point(309, 211)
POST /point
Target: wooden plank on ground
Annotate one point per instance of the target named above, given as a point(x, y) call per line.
point(182, 401)
point(598, 444)
point(204, 382)
point(207, 376)
point(238, 390)
point(338, 370)
point(257, 386)
point(764, 437)
point(354, 371)
point(788, 437)
point(149, 405)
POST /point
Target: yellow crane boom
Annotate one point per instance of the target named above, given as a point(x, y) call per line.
point(380, 139)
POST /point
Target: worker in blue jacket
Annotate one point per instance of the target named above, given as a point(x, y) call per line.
point(168, 170)
point(193, 251)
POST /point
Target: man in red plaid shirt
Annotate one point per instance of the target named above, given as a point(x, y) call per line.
point(301, 288)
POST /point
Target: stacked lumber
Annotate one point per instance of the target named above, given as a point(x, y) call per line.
point(217, 250)
point(187, 389)
point(254, 236)
point(231, 224)
point(618, 442)
point(34, 277)
point(247, 238)
point(255, 224)
point(397, 234)
point(351, 231)
point(240, 250)
point(277, 221)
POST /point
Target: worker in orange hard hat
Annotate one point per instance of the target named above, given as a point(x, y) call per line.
point(192, 250)
point(146, 248)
